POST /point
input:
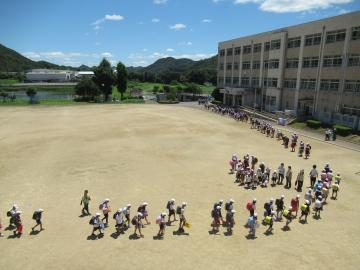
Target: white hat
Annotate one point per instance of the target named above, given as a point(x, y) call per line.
point(282, 196)
point(172, 200)
point(310, 190)
point(274, 170)
point(298, 196)
point(107, 200)
point(307, 202)
point(97, 215)
point(254, 200)
point(144, 203)
point(271, 199)
point(184, 203)
point(221, 200)
point(255, 215)
point(232, 200)
point(128, 205)
point(163, 214)
point(290, 208)
point(40, 210)
point(320, 197)
point(139, 214)
point(119, 210)
point(233, 211)
point(15, 205)
point(272, 212)
point(18, 212)
point(124, 210)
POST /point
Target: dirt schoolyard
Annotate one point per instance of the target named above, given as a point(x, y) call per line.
point(136, 153)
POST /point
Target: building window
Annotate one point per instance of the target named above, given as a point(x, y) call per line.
point(355, 33)
point(334, 36)
point(256, 65)
point(352, 86)
point(257, 47)
point(332, 61)
point(236, 66)
point(292, 63)
point(275, 44)
point(246, 65)
point(266, 64)
point(354, 60)
point(221, 81)
point(308, 84)
point(270, 82)
point(229, 67)
point(274, 63)
point(272, 101)
point(229, 52)
point(228, 81)
point(267, 46)
point(329, 85)
point(245, 82)
point(221, 67)
point(311, 40)
point(237, 50)
point(255, 82)
point(222, 53)
point(235, 81)
point(310, 62)
point(294, 42)
point(290, 83)
point(247, 49)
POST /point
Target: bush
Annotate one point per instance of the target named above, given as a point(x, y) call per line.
point(216, 102)
point(313, 123)
point(343, 130)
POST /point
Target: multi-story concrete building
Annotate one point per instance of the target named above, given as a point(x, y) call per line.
point(311, 68)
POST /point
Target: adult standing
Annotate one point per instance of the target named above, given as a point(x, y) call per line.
point(313, 176)
point(288, 178)
point(281, 171)
point(85, 200)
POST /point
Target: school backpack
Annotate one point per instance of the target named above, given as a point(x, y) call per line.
point(168, 205)
point(114, 215)
point(34, 216)
point(92, 221)
point(8, 213)
point(101, 206)
point(178, 210)
point(266, 206)
point(134, 221)
point(212, 213)
point(249, 206)
point(227, 206)
point(278, 203)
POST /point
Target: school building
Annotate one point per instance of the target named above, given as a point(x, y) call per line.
point(311, 69)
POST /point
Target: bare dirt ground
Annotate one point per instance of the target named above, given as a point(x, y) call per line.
point(135, 153)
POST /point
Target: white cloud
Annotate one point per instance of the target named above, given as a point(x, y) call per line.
point(159, 2)
point(197, 56)
point(107, 55)
point(107, 17)
point(155, 20)
point(177, 26)
point(170, 50)
point(206, 21)
point(217, 1)
point(185, 43)
point(343, 11)
point(284, 6)
point(144, 50)
point(57, 57)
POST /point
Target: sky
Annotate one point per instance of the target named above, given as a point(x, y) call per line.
point(138, 32)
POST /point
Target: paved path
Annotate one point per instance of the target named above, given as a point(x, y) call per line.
point(304, 133)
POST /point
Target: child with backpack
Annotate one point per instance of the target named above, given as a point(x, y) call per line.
point(229, 205)
point(106, 209)
point(180, 210)
point(318, 206)
point(230, 221)
point(295, 203)
point(127, 214)
point(97, 224)
point(269, 221)
point(171, 207)
point(280, 207)
point(136, 221)
point(160, 220)
point(215, 214)
point(305, 210)
point(274, 178)
point(251, 207)
point(37, 215)
point(119, 221)
point(143, 211)
point(287, 214)
point(335, 188)
point(18, 224)
point(252, 225)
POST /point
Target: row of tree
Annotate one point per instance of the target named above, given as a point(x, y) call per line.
point(103, 81)
point(167, 77)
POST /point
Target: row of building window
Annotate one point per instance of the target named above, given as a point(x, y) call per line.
point(308, 62)
point(305, 84)
point(310, 40)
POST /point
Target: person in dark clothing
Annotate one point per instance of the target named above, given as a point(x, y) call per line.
point(37, 217)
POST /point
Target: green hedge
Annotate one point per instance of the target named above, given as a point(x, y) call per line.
point(216, 102)
point(313, 123)
point(342, 130)
point(168, 102)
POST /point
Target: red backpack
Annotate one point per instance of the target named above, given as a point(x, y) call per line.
point(249, 206)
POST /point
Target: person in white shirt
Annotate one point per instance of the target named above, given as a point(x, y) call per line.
point(313, 176)
point(97, 224)
point(127, 214)
point(281, 171)
point(318, 206)
point(105, 207)
point(120, 224)
point(182, 217)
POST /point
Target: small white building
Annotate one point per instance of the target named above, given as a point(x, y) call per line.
point(81, 74)
point(49, 75)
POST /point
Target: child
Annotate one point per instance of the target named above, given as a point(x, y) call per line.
point(252, 224)
point(295, 205)
point(279, 207)
point(105, 207)
point(305, 210)
point(269, 220)
point(299, 181)
point(85, 202)
point(143, 211)
point(288, 178)
point(281, 171)
point(37, 217)
point(136, 221)
point(335, 188)
point(287, 214)
point(17, 221)
point(127, 214)
point(161, 222)
point(171, 207)
point(307, 150)
point(318, 206)
point(120, 224)
point(182, 218)
point(215, 214)
point(301, 148)
point(97, 224)
point(274, 178)
point(230, 222)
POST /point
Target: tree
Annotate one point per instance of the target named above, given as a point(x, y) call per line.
point(31, 93)
point(87, 89)
point(121, 79)
point(3, 95)
point(217, 95)
point(104, 78)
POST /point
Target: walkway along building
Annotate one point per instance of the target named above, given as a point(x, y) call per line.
point(312, 69)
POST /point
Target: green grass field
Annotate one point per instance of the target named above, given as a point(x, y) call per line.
point(8, 81)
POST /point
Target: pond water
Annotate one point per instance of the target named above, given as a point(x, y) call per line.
point(21, 95)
